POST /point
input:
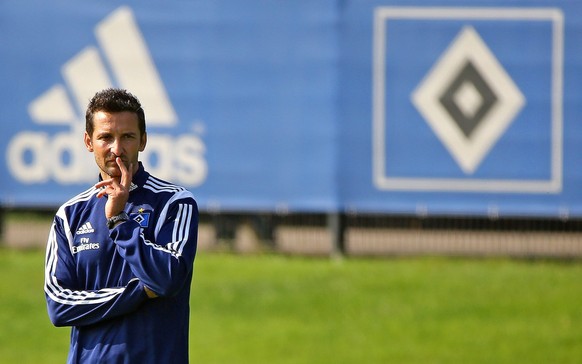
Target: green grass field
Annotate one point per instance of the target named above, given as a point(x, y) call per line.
point(277, 309)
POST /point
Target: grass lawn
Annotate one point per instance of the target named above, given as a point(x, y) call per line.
point(277, 309)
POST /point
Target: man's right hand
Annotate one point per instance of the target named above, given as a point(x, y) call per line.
point(117, 191)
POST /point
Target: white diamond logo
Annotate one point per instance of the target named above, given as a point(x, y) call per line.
point(468, 99)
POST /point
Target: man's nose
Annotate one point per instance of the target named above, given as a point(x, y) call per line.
point(116, 147)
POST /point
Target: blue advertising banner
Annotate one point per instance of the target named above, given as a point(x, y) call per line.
point(238, 95)
point(467, 109)
point(401, 107)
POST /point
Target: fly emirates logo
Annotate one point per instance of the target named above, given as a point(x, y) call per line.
point(38, 157)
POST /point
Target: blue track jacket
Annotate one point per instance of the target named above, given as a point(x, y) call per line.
point(95, 277)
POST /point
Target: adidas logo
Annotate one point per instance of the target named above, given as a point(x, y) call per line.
point(121, 58)
point(126, 52)
point(86, 228)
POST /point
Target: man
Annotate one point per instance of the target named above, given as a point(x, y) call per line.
point(120, 255)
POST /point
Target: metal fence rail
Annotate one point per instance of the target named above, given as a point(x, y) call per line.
point(351, 234)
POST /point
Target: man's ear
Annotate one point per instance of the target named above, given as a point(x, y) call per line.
point(88, 142)
point(144, 141)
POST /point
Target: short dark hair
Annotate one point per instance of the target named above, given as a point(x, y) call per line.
point(114, 100)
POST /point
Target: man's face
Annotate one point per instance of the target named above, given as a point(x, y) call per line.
point(115, 135)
